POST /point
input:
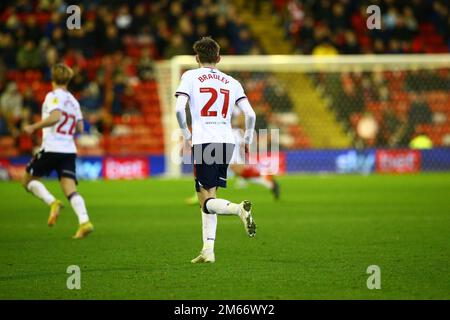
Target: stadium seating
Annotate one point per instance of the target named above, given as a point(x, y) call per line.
point(280, 28)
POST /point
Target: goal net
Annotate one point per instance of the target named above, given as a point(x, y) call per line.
point(335, 114)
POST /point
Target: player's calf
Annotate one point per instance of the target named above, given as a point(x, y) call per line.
point(37, 188)
point(79, 206)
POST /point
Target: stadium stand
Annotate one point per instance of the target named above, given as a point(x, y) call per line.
point(115, 52)
point(113, 57)
point(407, 104)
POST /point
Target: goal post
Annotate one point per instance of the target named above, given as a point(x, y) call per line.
point(318, 102)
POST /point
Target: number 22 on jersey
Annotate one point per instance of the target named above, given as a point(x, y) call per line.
point(67, 125)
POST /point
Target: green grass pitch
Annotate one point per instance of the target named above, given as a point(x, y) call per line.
point(315, 243)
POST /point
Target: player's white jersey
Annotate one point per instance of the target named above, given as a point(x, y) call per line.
point(59, 137)
point(212, 95)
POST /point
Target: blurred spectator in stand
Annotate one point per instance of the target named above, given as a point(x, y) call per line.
point(23, 140)
point(440, 15)
point(129, 102)
point(3, 76)
point(140, 19)
point(124, 19)
point(58, 40)
point(162, 36)
point(389, 125)
point(4, 126)
point(340, 21)
point(112, 41)
point(401, 32)
point(201, 30)
point(245, 42)
point(88, 47)
point(410, 20)
point(8, 49)
point(390, 18)
point(378, 47)
point(256, 5)
point(325, 49)
point(11, 102)
point(262, 117)
point(367, 130)
point(30, 103)
point(175, 12)
point(296, 16)
point(419, 112)
point(32, 30)
point(322, 10)
point(352, 99)
point(128, 68)
point(91, 102)
point(176, 47)
point(276, 95)
point(145, 66)
point(51, 5)
point(306, 36)
point(53, 24)
point(28, 56)
point(51, 58)
point(421, 141)
point(350, 45)
point(187, 30)
point(118, 91)
point(394, 47)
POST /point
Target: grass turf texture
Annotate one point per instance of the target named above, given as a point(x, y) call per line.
point(316, 243)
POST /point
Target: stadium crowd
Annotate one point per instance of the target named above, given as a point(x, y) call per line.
point(327, 27)
point(120, 41)
point(34, 36)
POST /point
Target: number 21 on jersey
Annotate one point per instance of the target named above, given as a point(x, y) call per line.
point(205, 112)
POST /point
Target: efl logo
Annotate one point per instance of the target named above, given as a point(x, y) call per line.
point(398, 161)
point(125, 168)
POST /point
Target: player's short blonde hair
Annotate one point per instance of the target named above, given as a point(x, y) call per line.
point(61, 74)
point(207, 50)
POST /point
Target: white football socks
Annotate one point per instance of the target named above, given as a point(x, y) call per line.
point(79, 207)
point(222, 206)
point(209, 227)
point(40, 191)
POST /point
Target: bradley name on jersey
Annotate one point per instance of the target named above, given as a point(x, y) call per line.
point(215, 76)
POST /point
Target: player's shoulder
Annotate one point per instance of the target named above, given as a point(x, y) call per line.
point(50, 95)
point(51, 98)
point(57, 93)
point(233, 80)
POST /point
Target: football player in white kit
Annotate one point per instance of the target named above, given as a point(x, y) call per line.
point(212, 95)
point(61, 117)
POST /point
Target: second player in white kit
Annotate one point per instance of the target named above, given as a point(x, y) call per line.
point(61, 118)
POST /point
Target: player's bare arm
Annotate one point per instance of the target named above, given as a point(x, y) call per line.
point(80, 126)
point(50, 121)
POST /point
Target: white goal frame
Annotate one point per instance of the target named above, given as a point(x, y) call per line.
point(275, 63)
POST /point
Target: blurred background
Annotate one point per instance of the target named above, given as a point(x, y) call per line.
point(365, 118)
